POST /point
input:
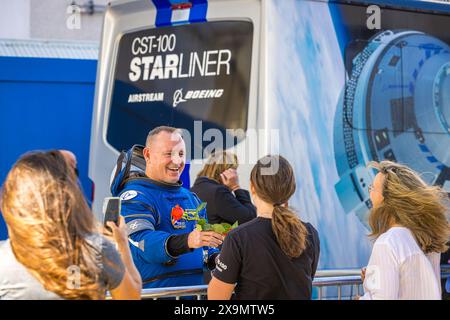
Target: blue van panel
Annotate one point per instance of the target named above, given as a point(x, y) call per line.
point(45, 104)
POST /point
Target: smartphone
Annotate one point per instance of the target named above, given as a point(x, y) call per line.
point(111, 211)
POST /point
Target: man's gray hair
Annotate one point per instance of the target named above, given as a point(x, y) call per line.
point(159, 129)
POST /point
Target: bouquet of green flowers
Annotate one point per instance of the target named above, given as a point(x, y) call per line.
point(202, 225)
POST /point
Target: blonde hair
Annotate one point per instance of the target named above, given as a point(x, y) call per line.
point(48, 220)
point(217, 163)
point(410, 202)
point(277, 188)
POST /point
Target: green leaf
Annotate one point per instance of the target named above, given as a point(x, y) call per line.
point(218, 228)
point(190, 213)
point(200, 207)
point(207, 227)
point(226, 226)
point(198, 227)
point(235, 225)
point(201, 222)
point(189, 217)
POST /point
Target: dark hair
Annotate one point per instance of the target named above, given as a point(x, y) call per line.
point(277, 188)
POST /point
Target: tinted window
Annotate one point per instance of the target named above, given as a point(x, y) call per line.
point(179, 74)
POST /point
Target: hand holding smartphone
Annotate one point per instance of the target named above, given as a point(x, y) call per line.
point(111, 211)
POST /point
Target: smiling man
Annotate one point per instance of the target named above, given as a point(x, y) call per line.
point(164, 154)
point(167, 251)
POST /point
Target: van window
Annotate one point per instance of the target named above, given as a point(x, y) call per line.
point(176, 75)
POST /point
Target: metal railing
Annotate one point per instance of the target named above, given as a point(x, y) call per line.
point(349, 278)
point(324, 278)
point(334, 279)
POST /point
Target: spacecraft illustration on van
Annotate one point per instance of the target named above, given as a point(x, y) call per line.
point(395, 106)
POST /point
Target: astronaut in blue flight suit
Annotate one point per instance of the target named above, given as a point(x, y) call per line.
point(166, 251)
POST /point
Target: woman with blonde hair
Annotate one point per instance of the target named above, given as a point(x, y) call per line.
point(274, 256)
point(218, 185)
point(409, 222)
point(54, 249)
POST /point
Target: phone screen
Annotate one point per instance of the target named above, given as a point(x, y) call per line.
point(111, 210)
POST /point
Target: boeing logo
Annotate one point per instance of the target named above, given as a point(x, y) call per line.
point(178, 97)
point(195, 94)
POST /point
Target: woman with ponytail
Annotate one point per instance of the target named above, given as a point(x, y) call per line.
point(274, 256)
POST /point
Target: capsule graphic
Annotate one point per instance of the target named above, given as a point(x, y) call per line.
point(395, 106)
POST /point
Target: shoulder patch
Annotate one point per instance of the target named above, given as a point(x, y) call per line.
point(128, 195)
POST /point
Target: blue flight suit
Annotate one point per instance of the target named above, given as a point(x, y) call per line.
point(147, 207)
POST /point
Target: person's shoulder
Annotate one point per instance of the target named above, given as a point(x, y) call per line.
point(104, 247)
point(399, 240)
point(16, 281)
point(99, 241)
point(131, 192)
point(190, 194)
point(312, 231)
point(186, 191)
point(138, 192)
point(252, 225)
point(394, 235)
point(6, 254)
point(206, 185)
point(12, 271)
point(4, 245)
point(14, 275)
point(204, 181)
point(219, 191)
point(310, 227)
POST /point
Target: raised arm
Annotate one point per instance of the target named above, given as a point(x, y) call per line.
point(130, 286)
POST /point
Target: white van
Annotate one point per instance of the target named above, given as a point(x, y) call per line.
point(330, 85)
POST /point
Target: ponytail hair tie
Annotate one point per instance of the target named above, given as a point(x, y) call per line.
point(277, 204)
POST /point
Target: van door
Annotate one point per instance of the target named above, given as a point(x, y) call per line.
point(191, 67)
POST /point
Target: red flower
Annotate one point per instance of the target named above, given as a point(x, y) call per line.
point(177, 212)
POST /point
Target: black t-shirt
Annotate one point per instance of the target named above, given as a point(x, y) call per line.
point(252, 258)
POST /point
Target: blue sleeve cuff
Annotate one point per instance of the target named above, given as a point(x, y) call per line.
point(153, 246)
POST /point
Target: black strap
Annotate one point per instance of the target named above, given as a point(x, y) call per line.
point(134, 156)
point(137, 157)
point(119, 164)
point(173, 274)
